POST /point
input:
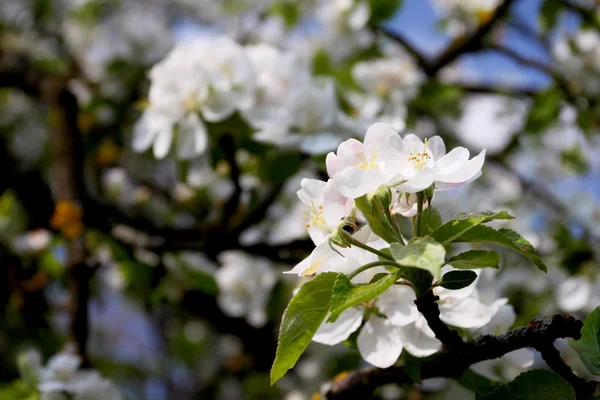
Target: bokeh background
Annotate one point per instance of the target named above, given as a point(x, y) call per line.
point(162, 268)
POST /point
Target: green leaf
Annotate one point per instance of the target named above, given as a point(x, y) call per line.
point(588, 346)
point(346, 294)
point(549, 13)
point(412, 367)
point(455, 280)
point(423, 253)
point(474, 259)
point(477, 383)
point(382, 10)
point(301, 319)
point(431, 220)
point(505, 237)
point(538, 384)
point(544, 110)
point(463, 222)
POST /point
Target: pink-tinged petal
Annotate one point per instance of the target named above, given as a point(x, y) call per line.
point(311, 191)
point(379, 342)
point(349, 153)
point(412, 139)
point(418, 339)
point(331, 333)
point(335, 206)
point(356, 182)
point(377, 135)
point(333, 164)
point(419, 182)
point(462, 173)
point(437, 147)
point(397, 303)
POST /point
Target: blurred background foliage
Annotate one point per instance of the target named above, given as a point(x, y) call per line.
point(165, 275)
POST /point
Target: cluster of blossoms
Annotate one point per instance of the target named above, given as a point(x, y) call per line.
point(406, 166)
point(578, 57)
point(195, 86)
point(61, 378)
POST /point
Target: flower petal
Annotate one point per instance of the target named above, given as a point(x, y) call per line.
point(418, 339)
point(397, 303)
point(460, 172)
point(437, 147)
point(574, 293)
point(331, 333)
point(356, 182)
point(379, 342)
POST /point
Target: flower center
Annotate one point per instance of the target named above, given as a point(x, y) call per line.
point(367, 164)
point(419, 159)
point(315, 216)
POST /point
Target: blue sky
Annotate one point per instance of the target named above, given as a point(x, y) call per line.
point(417, 20)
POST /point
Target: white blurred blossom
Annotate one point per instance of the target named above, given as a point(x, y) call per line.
point(245, 284)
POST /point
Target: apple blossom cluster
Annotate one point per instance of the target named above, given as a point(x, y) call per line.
point(62, 379)
point(406, 165)
point(207, 80)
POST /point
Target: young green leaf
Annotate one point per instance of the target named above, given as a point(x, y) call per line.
point(474, 259)
point(455, 280)
point(346, 294)
point(538, 384)
point(424, 253)
point(463, 222)
point(301, 319)
point(431, 220)
point(505, 237)
point(588, 346)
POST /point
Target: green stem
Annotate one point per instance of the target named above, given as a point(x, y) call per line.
point(419, 221)
point(356, 243)
point(372, 265)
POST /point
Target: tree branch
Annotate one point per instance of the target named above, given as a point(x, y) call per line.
point(427, 305)
point(452, 364)
point(470, 43)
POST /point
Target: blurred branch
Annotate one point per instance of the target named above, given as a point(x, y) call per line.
point(461, 45)
point(499, 89)
point(452, 364)
point(67, 182)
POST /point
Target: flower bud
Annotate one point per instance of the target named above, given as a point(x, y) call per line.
point(376, 207)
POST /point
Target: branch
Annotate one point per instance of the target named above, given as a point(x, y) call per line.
point(552, 358)
point(452, 364)
point(469, 43)
point(499, 89)
point(421, 59)
point(427, 305)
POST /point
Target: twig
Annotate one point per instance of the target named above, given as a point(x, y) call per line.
point(427, 305)
point(552, 358)
point(452, 364)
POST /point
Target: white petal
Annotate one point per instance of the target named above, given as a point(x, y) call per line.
point(311, 191)
point(437, 147)
point(461, 172)
point(465, 313)
point(397, 303)
point(378, 133)
point(143, 134)
point(523, 358)
point(162, 143)
point(356, 182)
point(418, 339)
point(379, 342)
point(331, 333)
point(419, 182)
point(453, 160)
point(574, 294)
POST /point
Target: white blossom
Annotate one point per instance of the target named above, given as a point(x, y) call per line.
point(245, 284)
